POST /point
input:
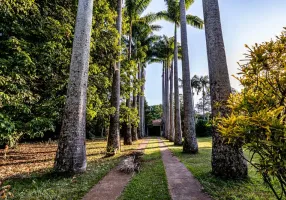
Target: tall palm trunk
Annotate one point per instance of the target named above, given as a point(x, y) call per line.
point(227, 160)
point(178, 125)
point(139, 130)
point(163, 97)
point(142, 102)
point(113, 141)
point(167, 111)
point(171, 133)
point(204, 96)
point(71, 153)
point(134, 128)
point(128, 134)
point(190, 142)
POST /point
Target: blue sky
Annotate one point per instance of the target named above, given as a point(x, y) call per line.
point(243, 22)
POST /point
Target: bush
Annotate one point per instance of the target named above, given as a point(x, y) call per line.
point(258, 117)
point(203, 128)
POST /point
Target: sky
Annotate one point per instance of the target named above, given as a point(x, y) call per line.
point(243, 22)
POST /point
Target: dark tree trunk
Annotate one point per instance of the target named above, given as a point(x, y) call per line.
point(113, 141)
point(139, 131)
point(128, 134)
point(171, 133)
point(227, 160)
point(142, 115)
point(163, 98)
point(204, 96)
point(134, 128)
point(71, 153)
point(178, 125)
point(190, 142)
point(167, 111)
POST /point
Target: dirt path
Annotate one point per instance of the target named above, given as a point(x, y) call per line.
point(181, 183)
point(112, 185)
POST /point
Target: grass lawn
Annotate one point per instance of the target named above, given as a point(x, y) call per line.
point(151, 182)
point(34, 182)
point(200, 166)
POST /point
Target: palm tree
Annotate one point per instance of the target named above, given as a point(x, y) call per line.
point(204, 80)
point(134, 10)
point(196, 84)
point(143, 40)
point(190, 142)
point(113, 142)
point(172, 14)
point(172, 132)
point(164, 52)
point(71, 153)
point(227, 160)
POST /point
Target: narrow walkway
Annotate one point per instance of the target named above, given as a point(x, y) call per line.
point(181, 183)
point(112, 185)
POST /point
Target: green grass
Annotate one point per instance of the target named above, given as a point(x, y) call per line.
point(151, 182)
point(200, 166)
point(49, 186)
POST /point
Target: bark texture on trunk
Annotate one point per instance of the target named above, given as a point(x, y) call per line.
point(134, 128)
point(139, 129)
point(128, 134)
point(190, 142)
point(167, 103)
point(163, 98)
point(113, 141)
point(171, 133)
point(71, 153)
point(204, 96)
point(178, 125)
point(227, 160)
point(142, 115)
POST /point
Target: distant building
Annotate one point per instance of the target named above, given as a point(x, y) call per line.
point(155, 129)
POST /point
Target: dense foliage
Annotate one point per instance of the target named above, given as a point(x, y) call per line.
point(35, 48)
point(36, 41)
point(153, 113)
point(258, 112)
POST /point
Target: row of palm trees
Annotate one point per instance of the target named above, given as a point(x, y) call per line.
point(176, 14)
point(227, 160)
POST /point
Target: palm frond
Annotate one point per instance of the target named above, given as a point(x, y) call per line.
point(141, 5)
point(150, 18)
point(189, 3)
point(195, 21)
point(165, 16)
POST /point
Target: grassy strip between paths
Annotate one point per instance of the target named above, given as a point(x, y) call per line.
point(49, 186)
point(151, 182)
point(200, 166)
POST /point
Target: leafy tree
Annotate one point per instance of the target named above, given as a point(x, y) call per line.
point(227, 160)
point(113, 143)
point(258, 113)
point(134, 10)
point(153, 113)
point(35, 48)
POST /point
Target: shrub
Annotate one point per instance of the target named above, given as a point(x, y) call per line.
point(203, 128)
point(258, 117)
